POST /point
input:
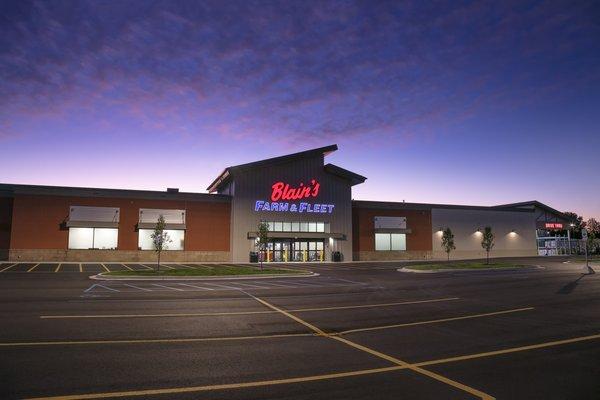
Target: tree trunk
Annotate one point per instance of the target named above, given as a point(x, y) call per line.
point(487, 261)
point(448, 255)
point(158, 263)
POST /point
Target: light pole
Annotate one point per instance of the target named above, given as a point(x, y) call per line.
point(571, 225)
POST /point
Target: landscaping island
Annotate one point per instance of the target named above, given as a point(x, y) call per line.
point(209, 270)
point(468, 265)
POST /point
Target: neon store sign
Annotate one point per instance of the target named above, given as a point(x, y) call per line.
point(283, 195)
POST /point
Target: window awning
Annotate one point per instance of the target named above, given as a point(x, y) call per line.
point(392, 230)
point(300, 235)
point(152, 225)
point(91, 224)
point(93, 217)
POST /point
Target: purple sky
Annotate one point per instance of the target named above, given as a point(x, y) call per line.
point(470, 103)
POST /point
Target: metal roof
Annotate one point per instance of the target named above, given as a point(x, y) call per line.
point(226, 174)
point(9, 190)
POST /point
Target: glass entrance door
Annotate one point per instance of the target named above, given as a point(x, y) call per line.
point(282, 250)
point(308, 250)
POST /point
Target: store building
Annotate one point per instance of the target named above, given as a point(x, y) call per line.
point(306, 202)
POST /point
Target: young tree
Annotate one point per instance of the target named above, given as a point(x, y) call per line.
point(487, 242)
point(593, 226)
point(448, 241)
point(263, 240)
point(577, 222)
point(160, 238)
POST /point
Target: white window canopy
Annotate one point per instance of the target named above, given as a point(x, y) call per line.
point(174, 219)
point(93, 217)
point(390, 225)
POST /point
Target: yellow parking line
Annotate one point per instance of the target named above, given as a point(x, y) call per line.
point(240, 385)
point(127, 267)
point(217, 314)
point(435, 321)
point(32, 268)
point(6, 268)
point(104, 266)
point(297, 310)
point(375, 353)
point(80, 268)
point(374, 305)
point(142, 341)
point(57, 267)
point(509, 350)
point(312, 378)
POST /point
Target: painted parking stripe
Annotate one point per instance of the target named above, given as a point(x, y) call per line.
point(280, 285)
point(7, 268)
point(57, 267)
point(436, 321)
point(296, 310)
point(147, 266)
point(32, 268)
point(80, 267)
point(127, 267)
point(99, 285)
point(137, 287)
point(222, 286)
point(295, 380)
point(104, 266)
point(168, 287)
point(145, 341)
point(194, 286)
point(252, 285)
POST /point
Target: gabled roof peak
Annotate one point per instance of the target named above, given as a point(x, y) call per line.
point(213, 187)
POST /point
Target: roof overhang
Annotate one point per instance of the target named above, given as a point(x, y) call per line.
point(229, 171)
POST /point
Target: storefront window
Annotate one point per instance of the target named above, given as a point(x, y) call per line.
point(390, 241)
point(279, 226)
point(93, 238)
point(177, 237)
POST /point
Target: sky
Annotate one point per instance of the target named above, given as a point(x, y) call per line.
point(480, 103)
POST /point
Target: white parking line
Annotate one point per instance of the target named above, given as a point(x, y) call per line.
point(137, 287)
point(6, 268)
point(32, 268)
point(252, 286)
point(277, 284)
point(197, 287)
point(168, 287)
point(353, 282)
point(223, 286)
point(127, 267)
point(102, 286)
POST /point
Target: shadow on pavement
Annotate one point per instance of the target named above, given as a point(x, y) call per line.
point(569, 287)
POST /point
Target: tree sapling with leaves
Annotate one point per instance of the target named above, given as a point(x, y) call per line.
point(263, 240)
point(487, 242)
point(160, 238)
point(448, 241)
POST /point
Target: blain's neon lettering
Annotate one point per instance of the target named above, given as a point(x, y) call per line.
point(283, 191)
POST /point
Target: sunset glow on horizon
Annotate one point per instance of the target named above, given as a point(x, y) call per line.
point(458, 103)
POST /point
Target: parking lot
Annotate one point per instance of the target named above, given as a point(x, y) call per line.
point(355, 331)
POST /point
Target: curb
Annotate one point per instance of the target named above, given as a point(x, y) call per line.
point(102, 277)
point(436, 271)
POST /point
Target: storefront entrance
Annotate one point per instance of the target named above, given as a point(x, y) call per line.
point(289, 250)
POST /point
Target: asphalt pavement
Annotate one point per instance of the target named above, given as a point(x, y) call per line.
point(356, 331)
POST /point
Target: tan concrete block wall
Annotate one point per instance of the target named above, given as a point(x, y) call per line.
point(116, 255)
point(391, 255)
point(466, 254)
